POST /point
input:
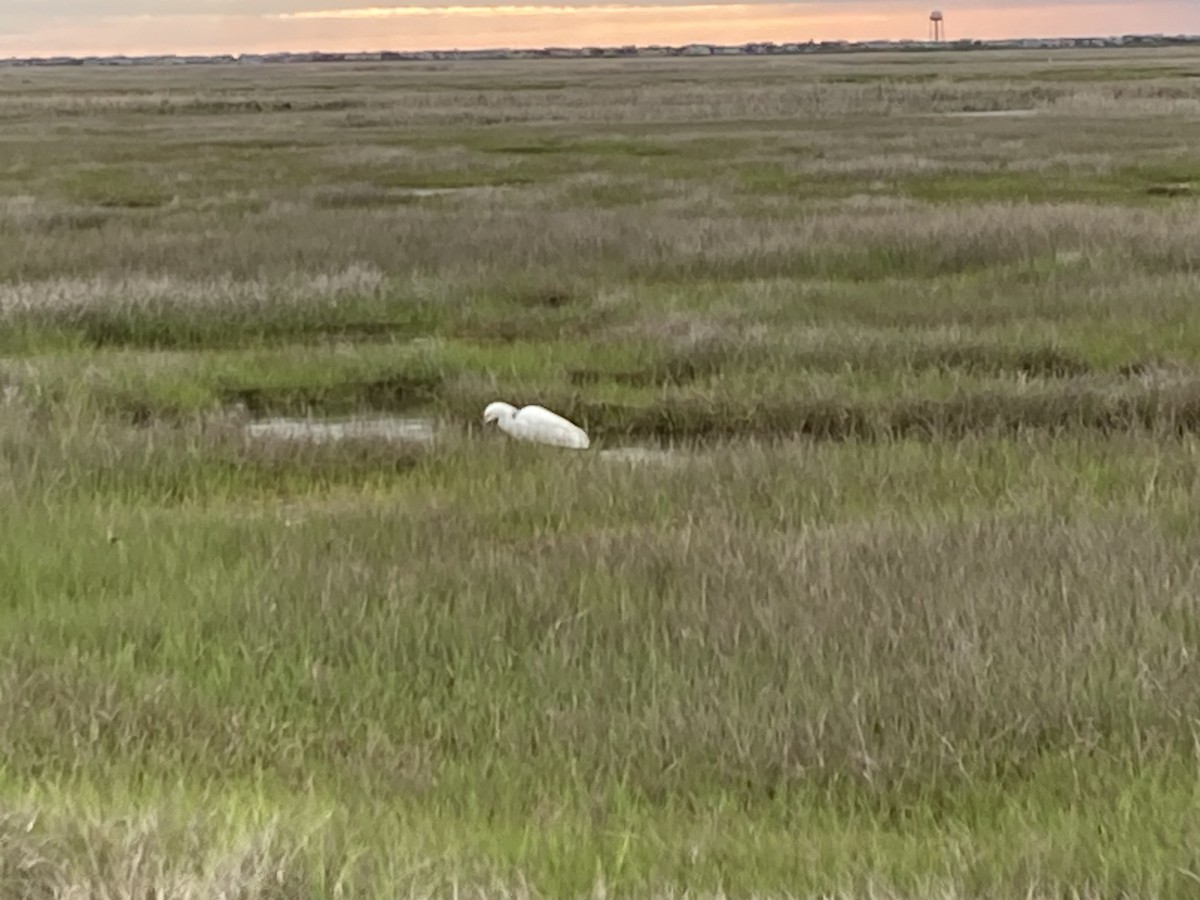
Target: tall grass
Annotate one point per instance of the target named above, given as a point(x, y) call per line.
point(902, 608)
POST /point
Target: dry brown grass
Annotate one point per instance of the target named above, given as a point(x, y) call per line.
point(633, 92)
point(492, 237)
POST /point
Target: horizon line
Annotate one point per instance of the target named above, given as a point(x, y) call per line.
point(946, 44)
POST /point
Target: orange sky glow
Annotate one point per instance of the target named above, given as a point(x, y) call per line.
point(471, 25)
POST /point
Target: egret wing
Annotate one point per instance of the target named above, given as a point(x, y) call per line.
point(540, 424)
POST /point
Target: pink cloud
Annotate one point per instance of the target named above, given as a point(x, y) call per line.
point(468, 25)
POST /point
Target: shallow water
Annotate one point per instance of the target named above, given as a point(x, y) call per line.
point(411, 430)
point(640, 455)
point(992, 113)
point(388, 428)
point(432, 191)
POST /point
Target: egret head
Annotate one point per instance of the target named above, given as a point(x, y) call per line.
point(496, 410)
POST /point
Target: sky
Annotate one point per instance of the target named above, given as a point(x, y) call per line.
point(82, 27)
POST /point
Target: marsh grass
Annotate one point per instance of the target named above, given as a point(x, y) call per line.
point(903, 606)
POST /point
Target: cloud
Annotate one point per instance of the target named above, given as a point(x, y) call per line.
point(160, 8)
point(439, 29)
point(78, 27)
point(43, 9)
point(401, 12)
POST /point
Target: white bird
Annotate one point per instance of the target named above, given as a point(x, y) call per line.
point(536, 423)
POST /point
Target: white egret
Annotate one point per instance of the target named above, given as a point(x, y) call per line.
point(536, 423)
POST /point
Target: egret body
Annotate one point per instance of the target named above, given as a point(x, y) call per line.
point(537, 424)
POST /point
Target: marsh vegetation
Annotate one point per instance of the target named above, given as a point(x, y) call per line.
point(879, 581)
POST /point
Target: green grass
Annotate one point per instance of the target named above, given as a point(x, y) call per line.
point(892, 594)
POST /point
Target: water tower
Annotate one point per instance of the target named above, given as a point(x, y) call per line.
point(937, 26)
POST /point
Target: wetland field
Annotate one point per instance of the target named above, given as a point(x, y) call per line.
point(879, 579)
